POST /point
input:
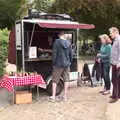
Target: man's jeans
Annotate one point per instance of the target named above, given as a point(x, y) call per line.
point(115, 82)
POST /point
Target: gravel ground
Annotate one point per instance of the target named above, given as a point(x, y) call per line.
point(84, 103)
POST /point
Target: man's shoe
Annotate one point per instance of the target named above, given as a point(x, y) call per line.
point(113, 100)
point(111, 96)
point(63, 98)
point(51, 99)
point(102, 91)
point(106, 92)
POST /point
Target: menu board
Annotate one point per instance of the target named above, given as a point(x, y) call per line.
point(33, 52)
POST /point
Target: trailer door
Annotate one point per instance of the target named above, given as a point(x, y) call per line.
point(18, 36)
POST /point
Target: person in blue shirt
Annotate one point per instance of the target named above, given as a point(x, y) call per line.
point(104, 56)
point(62, 58)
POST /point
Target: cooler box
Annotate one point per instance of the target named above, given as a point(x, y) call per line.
point(74, 76)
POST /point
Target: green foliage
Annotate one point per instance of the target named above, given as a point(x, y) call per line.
point(8, 10)
point(11, 10)
point(102, 13)
point(43, 5)
point(3, 49)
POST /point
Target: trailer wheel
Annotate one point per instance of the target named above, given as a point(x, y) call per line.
point(59, 89)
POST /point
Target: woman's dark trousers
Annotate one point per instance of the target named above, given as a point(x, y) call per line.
point(106, 76)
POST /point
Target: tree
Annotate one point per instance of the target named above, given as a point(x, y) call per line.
point(11, 10)
point(43, 5)
point(102, 13)
point(3, 49)
point(8, 10)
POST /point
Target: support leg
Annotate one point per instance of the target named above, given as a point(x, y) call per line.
point(38, 93)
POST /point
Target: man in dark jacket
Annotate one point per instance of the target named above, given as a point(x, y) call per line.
point(62, 58)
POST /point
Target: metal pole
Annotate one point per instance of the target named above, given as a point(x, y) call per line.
point(32, 34)
point(77, 43)
point(23, 51)
point(37, 92)
point(27, 41)
point(13, 95)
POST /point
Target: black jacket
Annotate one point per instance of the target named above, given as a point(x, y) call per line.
point(97, 71)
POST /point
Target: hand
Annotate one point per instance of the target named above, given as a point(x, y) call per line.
point(99, 54)
point(40, 49)
point(98, 60)
point(118, 66)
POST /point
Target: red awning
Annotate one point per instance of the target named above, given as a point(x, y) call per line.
point(66, 25)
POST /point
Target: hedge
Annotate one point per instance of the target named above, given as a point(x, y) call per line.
point(4, 33)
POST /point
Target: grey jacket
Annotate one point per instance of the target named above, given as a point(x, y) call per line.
point(115, 53)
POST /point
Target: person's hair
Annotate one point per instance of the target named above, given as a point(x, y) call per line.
point(106, 38)
point(114, 29)
point(50, 37)
point(61, 33)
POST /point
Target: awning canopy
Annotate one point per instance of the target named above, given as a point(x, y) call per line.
point(66, 25)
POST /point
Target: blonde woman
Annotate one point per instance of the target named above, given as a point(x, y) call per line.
point(104, 59)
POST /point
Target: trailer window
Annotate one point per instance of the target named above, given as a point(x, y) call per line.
point(44, 40)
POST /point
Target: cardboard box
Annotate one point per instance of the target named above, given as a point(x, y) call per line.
point(23, 97)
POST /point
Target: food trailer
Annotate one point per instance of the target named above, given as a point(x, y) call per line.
point(32, 33)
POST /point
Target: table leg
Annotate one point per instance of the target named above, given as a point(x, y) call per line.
point(37, 92)
point(13, 96)
point(30, 88)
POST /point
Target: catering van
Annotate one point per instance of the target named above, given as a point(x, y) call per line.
point(32, 36)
